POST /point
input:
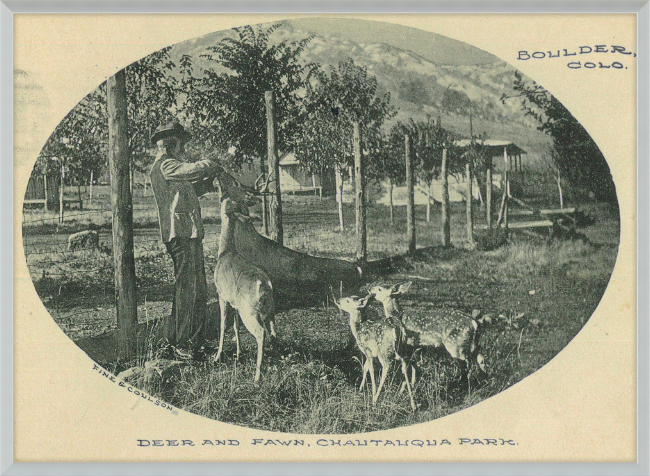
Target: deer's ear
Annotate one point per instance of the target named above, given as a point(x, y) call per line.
point(364, 302)
point(404, 287)
point(243, 218)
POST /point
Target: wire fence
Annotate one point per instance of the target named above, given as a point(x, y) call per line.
point(76, 285)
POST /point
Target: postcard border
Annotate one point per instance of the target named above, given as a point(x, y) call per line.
point(7, 10)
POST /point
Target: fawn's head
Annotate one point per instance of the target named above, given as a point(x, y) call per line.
point(352, 304)
point(386, 293)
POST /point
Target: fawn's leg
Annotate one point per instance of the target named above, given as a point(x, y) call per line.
point(371, 369)
point(408, 384)
point(401, 388)
point(272, 327)
point(365, 372)
point(385, 365)
point(481, 362)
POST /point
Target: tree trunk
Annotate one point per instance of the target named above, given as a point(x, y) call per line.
point(488, 197)
point(470, 217)
point(506, 186)
point(122, 204)
point(559, 187)
point(131, 178)
point(45, 192)
point(410, 198)
point(502, 208)
point(429, 202)
point(390, 202)
point(339, 195)
point(61, 192)
point(265, 215)
point(275, 208)
point(446, 229)
point(359, 185)
point(90, 189)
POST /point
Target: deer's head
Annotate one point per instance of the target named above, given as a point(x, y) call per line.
point(385, 293)
point(243, 195)
point(352, 304)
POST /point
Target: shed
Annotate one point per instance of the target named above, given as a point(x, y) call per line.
point(510, 151)
point(42, 190)
point(293, 178)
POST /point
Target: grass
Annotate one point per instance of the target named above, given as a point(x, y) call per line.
point(310, 376)
point(540, 293)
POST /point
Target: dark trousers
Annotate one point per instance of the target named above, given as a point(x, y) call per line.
point(186, 325)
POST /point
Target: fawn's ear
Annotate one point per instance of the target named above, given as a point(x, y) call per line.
point(363, 302)
point(403, 288)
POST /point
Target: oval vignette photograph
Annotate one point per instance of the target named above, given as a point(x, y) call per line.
point(319, 226)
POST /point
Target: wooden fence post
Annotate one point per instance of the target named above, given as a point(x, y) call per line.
point(90, 189)
point(506, 186)
point(47, 203)
point(470, 217)
point(275, 207)
point(359, 185)
point(446, 228)
point(121, 200)
point(339, 195)
point(488, 195)
point(410, 198)
point(61, 182)
point(265, 205)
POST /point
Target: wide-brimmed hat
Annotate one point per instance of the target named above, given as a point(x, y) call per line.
point(170, 129)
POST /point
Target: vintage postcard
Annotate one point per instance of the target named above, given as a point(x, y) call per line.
point(325, 238)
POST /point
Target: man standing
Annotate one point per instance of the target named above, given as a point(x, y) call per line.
point(177, 184)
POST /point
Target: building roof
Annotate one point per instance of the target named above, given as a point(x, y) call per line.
point(289, 159)
point(495, 146)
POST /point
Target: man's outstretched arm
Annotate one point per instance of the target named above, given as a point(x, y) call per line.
point(176, 170)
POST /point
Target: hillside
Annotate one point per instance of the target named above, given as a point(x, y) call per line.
point(418, 86)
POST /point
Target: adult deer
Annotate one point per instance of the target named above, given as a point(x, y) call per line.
point(457, 331)
point(377, 340)
point(242, 286)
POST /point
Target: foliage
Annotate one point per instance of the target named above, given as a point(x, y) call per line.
point(428, 140)
point(455, 101)
point(227, 107)
point(578, 157)
point(333, 102)
point(414, 90)
point(151, 95)
point(81, 138)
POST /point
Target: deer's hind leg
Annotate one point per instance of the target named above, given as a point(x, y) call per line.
point(258, 333)
point(235, 325)
point(223, 308)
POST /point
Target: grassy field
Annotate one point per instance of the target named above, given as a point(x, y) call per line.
point(540, 293)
